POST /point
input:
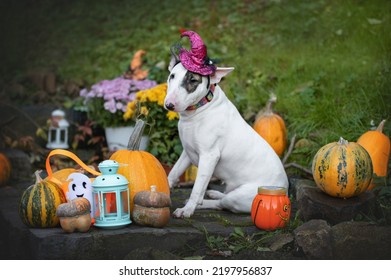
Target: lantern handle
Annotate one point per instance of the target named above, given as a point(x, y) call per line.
point(70, 155)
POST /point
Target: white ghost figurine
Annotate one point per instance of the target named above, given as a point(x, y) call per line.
point(80, 186)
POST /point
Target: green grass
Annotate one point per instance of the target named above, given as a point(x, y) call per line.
point(328, 61)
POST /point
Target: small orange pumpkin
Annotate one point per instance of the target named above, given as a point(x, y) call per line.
point(140, 168)
point(271, 209)
point(342, 169)
point(5, 169)
point(377, 145)
point(272, 127)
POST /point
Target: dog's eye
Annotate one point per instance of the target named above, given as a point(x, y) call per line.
point(193, 80)
point(172, 76)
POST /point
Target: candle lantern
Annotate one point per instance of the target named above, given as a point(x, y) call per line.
point(58, 131)
point(111, 197)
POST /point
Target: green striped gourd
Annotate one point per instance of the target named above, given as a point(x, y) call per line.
point(39, 202)
point(342, 169)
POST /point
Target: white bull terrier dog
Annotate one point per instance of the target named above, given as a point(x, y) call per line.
point(215, 137)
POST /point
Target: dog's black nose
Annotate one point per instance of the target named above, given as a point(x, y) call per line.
point(170, 106)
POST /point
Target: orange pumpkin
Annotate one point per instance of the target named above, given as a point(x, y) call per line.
point(140, 168)
point(5, 169)
point(271, 209)
point(342, 169)
point(377, 145)
point(272, 127)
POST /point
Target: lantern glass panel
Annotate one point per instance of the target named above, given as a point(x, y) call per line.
point(52, 134)
point(62, 135)
point(110, 204)
point(125, 203)
point(96, 205)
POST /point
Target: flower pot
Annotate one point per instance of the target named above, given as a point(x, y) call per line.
point(118, 137)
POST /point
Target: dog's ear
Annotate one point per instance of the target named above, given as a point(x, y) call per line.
point(219, 74)
point(174, 58)
point(173, 62)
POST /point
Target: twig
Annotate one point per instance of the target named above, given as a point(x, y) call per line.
point(290, 149)
point(298, 166)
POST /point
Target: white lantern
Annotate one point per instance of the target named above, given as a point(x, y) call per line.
point(58, 131)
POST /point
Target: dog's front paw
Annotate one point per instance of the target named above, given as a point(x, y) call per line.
point(185, 212)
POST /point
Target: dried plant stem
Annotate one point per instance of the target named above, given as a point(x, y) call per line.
point(293, 164)
point(298, 166)
point(290, 149)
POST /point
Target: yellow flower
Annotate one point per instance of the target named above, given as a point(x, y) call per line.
point(128, 114)
point(172, 115)
point(151, 95)
point(130, 110)
point(160, 100)
point(132, 105)
point(142, 96)
point(155, 94)
point(144, 111)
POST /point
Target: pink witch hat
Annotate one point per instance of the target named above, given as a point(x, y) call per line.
point(196, 59)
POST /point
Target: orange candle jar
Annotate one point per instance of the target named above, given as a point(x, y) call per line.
point(271, 208)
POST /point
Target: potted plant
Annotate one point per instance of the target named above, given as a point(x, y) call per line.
point(106, 101)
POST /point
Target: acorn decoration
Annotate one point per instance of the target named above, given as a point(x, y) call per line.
point(151, 208)
point(75, 215)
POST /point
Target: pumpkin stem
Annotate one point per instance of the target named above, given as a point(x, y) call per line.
point(342, 141)
point(38, 178)
point(135, 138)
point(381, 126)
point(270, 103)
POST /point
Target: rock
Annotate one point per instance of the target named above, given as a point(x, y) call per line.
point(361, 240)
point(280, 241)
point(313, 240)
point(315, 204)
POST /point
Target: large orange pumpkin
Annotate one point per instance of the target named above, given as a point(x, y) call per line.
point(141, 168)
point(271, 209)
point(377, 145)
point(5, 169)
point(342, 169)
point(272, 127)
